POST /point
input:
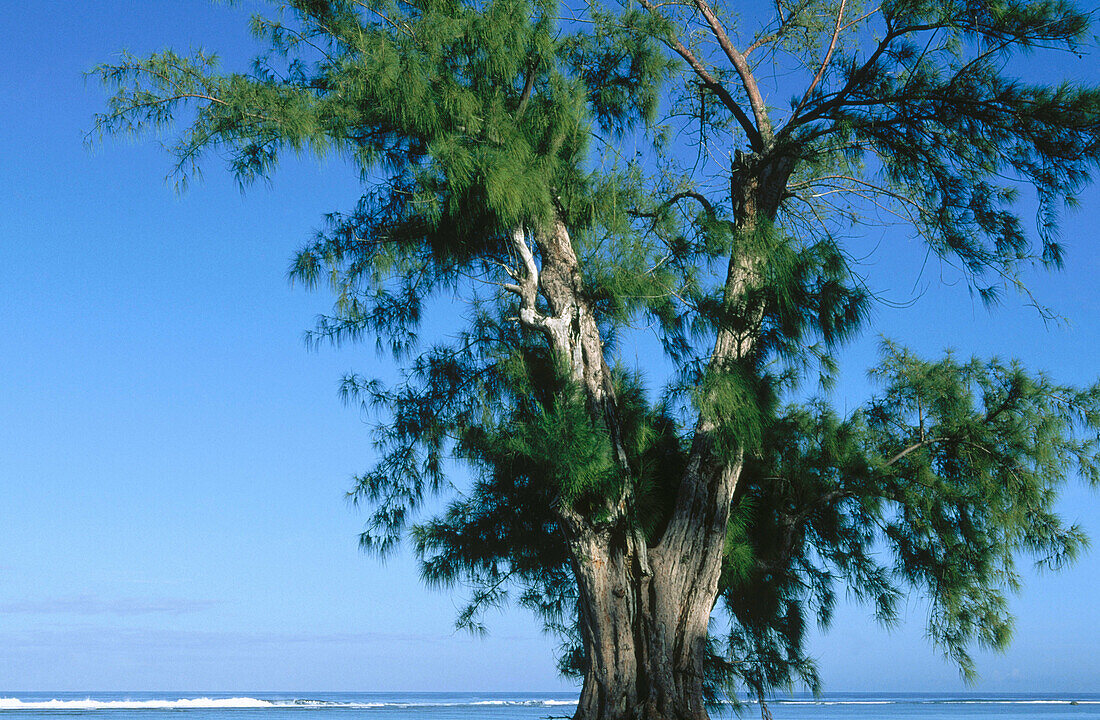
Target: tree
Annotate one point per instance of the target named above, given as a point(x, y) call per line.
point(568, 172)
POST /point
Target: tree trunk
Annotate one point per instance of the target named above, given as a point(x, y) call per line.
point(644, 611)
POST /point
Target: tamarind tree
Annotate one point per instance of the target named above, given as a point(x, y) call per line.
point(567, 173)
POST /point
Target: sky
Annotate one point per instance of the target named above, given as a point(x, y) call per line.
point(174, 461)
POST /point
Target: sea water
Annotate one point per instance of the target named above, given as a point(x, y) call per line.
point(521, 706)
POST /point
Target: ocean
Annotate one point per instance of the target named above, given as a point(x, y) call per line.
point(521, 706)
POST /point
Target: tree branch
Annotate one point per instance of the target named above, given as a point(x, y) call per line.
point(741, 65)
point(527, 285)
point(712, 84)
point(838, 98)
point(825, 62)
point(911, 448)
point(528, 84)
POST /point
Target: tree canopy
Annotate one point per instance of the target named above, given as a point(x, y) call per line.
point(569, 174)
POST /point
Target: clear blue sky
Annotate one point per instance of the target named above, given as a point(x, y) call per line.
point(173, 460)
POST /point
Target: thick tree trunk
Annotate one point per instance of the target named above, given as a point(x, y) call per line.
point(645, 613)
point(611, 607)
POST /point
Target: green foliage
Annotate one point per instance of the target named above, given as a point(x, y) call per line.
point(939, 484)
point(946, 126)
point(620, 66)
point(699, 213)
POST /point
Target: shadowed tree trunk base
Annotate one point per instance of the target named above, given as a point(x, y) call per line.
point(644, 648)
point(645, 612)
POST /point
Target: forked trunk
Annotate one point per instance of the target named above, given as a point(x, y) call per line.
point(644, 611)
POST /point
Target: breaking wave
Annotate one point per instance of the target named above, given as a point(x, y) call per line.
point(249, 703)
point(935, 701)
point(203, 703)
point(12, 704)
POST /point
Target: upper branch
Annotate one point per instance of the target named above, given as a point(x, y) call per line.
point(840, 97)
point(825, 62)
point(712, 84)
point(741, 65)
